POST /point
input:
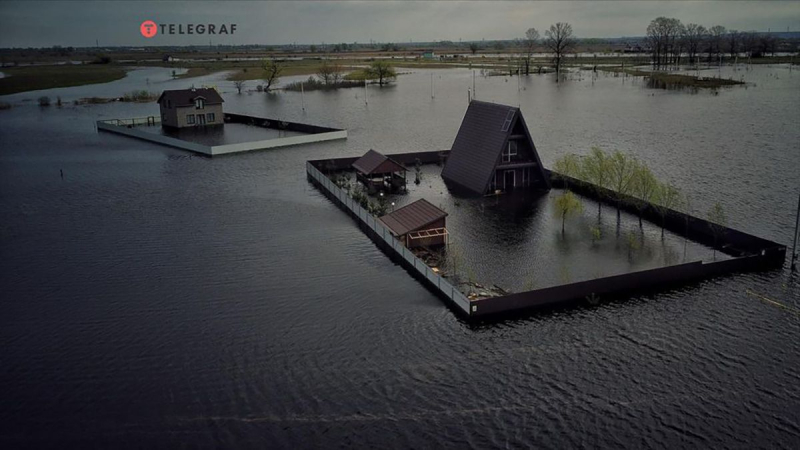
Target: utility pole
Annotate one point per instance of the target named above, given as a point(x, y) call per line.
point(365, 92)
point(473, 83)
point(796, 226)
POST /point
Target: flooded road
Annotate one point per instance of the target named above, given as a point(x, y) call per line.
point(155, 298)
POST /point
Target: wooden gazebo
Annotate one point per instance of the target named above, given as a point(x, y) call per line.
point(379, 172)
point(418, 224)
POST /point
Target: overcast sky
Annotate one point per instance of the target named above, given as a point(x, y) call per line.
point(36, 24)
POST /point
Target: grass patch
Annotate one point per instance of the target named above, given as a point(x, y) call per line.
point(93, 100)
point(140, 96)
point(23, 79)
point(664, 80)
point(313, 84)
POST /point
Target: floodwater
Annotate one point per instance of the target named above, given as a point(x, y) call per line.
point(152, 298)
point(231, 133)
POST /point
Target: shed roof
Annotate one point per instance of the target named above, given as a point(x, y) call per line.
point(479, 143)
point(412, 217)
point(186, 97)
point(374, 162)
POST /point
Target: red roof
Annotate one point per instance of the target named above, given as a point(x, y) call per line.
point(412, 217)
point(374, 162)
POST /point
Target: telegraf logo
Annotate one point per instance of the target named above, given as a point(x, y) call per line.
point(149, 29)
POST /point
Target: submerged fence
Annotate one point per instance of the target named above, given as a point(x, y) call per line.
point(384, 238)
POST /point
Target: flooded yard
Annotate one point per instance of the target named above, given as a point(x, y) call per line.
point(515, 240)
point(229, 133)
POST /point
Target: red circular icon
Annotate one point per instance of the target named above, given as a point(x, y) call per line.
point(148, 28)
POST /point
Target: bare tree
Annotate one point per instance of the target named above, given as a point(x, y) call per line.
point(473, 47)
point(664, 36)
point(767, 43)
point(750, 43)
point(529, 44)
point(325, 72)
point(733, 43)
point(676, 30)
point(693, 38)
point(239, 84)
point(559, 40)
point(272, 72)
point(716, 38)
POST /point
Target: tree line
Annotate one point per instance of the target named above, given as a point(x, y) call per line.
point(669, 39)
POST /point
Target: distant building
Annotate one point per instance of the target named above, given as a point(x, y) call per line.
point(493, 151)
point(428, 54)
point(184, 108)
point(419, 224)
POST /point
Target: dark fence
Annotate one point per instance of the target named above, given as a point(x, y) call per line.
point(600, 289)
point(749, 252)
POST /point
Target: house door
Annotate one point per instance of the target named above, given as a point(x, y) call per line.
point(201, 119)
point(509, 179)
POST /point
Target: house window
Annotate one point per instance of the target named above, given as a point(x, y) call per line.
point(190, 119)
point(169, 104)
point(199, 103)
point(210, 117)
point(510, 152)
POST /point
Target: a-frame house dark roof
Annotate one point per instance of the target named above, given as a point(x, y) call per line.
point(374, 162)
point(479, 144)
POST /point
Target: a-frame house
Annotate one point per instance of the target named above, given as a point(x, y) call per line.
point(494, 151)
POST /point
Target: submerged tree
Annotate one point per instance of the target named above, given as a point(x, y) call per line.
point(693, 37)
point(717, 221)
point(596, 169)
point(559, 41)
point(643, 187)
point(272, 72)
point(529, 45)
point(567, 204)
point(329, 73)
point(668, 197)
point(568, 165)
point(716, 40)
point(383, 71)
point(239, 84)
point(622, 170)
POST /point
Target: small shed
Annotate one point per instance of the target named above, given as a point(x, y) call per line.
point(419, 224)
point(377, 171)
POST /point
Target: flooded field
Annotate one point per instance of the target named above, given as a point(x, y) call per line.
point(154, 298)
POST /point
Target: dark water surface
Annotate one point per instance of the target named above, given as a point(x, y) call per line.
point(155, 299)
